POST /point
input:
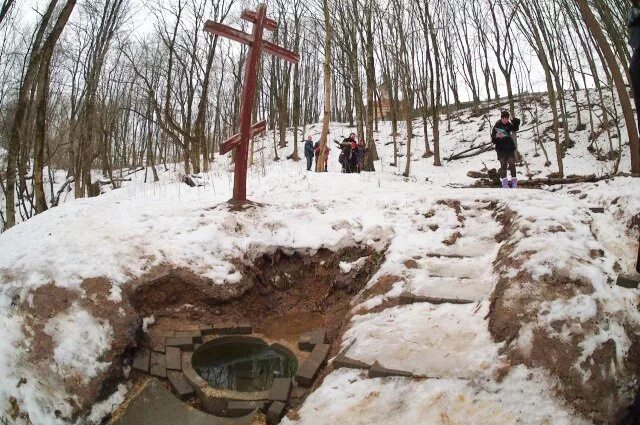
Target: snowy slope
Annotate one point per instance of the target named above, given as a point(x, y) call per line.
point(125, 233)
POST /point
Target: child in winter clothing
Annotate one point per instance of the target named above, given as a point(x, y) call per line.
point(502, 138)
point(309, 152)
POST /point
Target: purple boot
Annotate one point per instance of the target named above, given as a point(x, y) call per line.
point(514, 183)
point(505, 183)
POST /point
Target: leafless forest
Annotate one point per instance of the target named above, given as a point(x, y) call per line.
point(116, 85)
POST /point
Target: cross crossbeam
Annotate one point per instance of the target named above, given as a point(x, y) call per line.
point(235, 140)
point(246, 39)
point(240, 141)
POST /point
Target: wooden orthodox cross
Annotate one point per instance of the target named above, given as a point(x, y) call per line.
point(240, 142)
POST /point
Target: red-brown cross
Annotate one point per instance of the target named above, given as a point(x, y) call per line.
point(240, 142)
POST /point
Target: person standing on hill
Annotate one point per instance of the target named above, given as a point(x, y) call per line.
point(347, 155)
point(501, 136)
point(309, 152)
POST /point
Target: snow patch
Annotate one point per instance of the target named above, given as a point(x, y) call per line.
point(80, 339)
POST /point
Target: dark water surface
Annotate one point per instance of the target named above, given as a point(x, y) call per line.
point(244, 366)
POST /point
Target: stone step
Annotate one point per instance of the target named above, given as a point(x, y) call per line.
point(180, 385)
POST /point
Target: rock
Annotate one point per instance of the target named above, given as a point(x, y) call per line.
point(626, 281)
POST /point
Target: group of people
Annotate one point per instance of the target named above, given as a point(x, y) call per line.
point(351, 157)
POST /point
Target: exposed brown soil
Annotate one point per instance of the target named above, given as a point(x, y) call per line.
point(49, 301)
point(280, 294)
point(275, 287)
point(516, 302)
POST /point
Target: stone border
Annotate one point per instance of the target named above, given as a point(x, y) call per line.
point(172, 359)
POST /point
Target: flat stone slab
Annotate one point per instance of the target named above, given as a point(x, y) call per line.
point(183, 342)
point(244, 328)
point(275, 412)
point(206, 330)
point(342, 361)
point(174, 358)
point(155, 405)
point(180, 385)
point(227, 328)
point(237, 408)
point(280, 390)
point(158, 365)
point(142, 360)
point(627, 281)
point(309, 340)
point(378, 371)
point(319, 353)
point(195, 335)
point(232, 328)
point(307, 372)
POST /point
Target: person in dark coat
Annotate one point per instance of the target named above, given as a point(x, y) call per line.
point(347, 154)
point(502, 138)
point(361, 150)
point(633, 22)
point(309, 152)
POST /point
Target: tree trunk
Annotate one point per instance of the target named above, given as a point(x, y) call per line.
point(632, 130)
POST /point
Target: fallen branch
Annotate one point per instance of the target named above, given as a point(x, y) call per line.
point(56, 199)
point(485, 147)
point(550, 181)
point(106, 182)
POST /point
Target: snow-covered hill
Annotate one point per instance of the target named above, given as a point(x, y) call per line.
point(548, 337)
